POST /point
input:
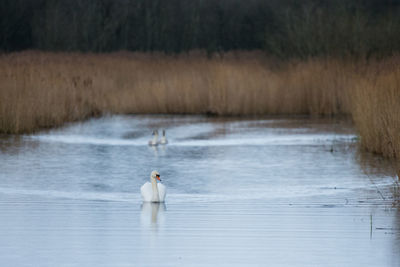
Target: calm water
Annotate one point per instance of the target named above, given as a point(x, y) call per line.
point(270, 192)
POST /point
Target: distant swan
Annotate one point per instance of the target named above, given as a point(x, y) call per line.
point(163, 140)
point(153, 191)
point(154, 141)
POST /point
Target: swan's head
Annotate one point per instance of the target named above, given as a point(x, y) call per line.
point(155, 175)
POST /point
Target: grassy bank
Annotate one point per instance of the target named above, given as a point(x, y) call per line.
point(376, 108)
point(45, 90)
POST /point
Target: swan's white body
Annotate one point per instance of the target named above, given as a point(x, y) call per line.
point(163, 140)
point(154, 141)
point(153, 191)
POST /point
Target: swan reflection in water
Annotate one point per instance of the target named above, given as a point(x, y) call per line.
point(154, 149)
point(158, 150)
point(152, 214)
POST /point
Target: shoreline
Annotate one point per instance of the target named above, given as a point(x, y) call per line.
point(44, 90)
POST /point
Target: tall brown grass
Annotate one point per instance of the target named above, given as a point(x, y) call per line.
point(376, 109)
point(40, 89)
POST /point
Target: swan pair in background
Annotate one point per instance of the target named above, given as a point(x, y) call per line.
point(155, 141)
point(153, 191)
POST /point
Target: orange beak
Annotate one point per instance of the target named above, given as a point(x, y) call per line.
point(158, 177)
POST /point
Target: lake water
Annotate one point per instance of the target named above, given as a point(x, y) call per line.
point(240, 192)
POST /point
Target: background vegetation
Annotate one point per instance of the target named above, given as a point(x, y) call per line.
point(48, 89)
point(339, 57)
point(284, 28)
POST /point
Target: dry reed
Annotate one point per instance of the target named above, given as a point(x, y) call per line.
point(40, 89)
point(376, 109)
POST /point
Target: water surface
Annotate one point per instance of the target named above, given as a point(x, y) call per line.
point(241, 192)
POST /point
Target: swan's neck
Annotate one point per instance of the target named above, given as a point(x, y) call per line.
point(163, 138)
point(156, 195)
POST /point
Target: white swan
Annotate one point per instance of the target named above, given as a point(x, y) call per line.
point(163, 140)
point(153, 191)
point(154, 141)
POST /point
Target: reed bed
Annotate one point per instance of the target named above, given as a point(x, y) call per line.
point(39, 90)
point(376, 109)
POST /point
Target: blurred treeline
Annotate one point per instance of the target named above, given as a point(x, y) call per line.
point(284, 28)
